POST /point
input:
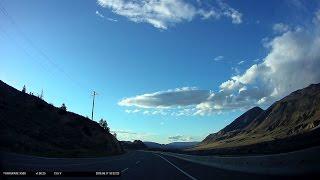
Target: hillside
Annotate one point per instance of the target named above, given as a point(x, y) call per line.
point(153, 145)
point(32, 126)
point(180, 145)
point(236, 127)
point(291, 117)
point(136, 144)
point(172, 145)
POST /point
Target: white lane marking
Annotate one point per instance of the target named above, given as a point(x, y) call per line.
point(137, 162)
point(191, 177)
point(124, 170)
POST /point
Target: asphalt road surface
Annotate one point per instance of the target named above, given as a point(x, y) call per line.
point(132, 165)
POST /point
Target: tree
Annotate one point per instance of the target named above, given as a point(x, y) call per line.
point(115, 134)
point(63, 107)
point(103, 123)
point(24, 89)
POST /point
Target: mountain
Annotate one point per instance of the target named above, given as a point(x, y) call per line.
point(173, 145)
point(32, 126)
point(136, 144)
point(180, 145)
point(294, 115)
point(236, 127)
point(153, 144)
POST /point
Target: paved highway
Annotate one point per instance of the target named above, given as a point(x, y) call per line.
point(132, 165)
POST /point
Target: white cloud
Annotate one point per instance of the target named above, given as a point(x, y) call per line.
point(280, 27)
point(241, 62)
point(99, 14)
point(108, 18)
point(130, 135)
point(316, 19)
point(164, 13)
point(180, 138)
point(236, 70)
point(228, 11)
point(161, 112)
point(218, 58)
point(265, 42)
point(111, 19)
point(292, 63)
point(146, 112)
point(132, 111)
point(165, 99)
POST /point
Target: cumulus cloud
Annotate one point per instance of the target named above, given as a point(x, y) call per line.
point(180, 138)
point(280, 28)
point(292, 63)
point(164, 13)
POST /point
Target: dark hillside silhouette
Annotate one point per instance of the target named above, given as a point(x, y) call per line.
point(136, 144)
point(30, 125)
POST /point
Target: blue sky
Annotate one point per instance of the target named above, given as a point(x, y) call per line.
point(164, 70)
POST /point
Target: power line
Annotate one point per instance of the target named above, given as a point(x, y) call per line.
point(44, 68)
point(40, 51)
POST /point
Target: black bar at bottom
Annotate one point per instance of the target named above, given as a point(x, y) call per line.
point(60, 174)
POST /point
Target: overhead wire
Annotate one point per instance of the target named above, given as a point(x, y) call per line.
point(39, 50)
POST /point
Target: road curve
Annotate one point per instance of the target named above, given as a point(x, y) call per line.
point(132, 165)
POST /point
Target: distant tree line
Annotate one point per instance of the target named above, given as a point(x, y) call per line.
point(24, 90)
point(63, 107)
point(103, 123)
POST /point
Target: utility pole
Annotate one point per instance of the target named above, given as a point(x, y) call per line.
point(41, 95)
point(94, 95)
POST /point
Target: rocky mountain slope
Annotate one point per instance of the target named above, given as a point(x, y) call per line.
point(294, 115)
point(32, 126)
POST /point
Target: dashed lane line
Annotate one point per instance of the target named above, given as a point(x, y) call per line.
point(185, 173)
point(124, 170)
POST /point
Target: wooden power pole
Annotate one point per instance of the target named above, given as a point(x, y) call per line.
point(94, 95)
